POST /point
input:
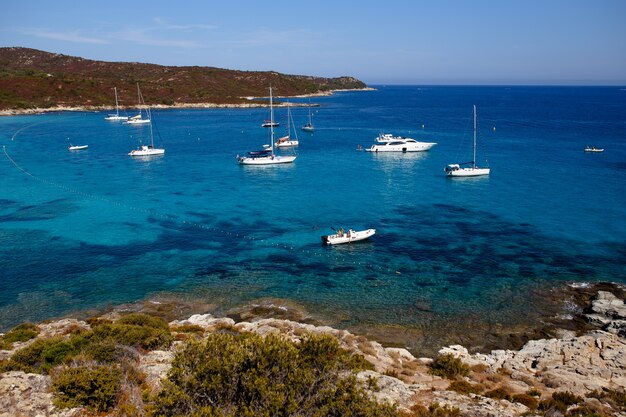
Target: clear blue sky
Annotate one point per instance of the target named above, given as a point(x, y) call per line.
point(382, 42)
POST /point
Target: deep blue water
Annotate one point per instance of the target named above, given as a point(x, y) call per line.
point(88, 229)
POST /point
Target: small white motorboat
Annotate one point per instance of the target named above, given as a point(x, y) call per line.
point(77, 147)
point(593, 149)
point(347, 237)
point(269, 123)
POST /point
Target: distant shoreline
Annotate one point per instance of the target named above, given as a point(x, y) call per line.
point(36, 110)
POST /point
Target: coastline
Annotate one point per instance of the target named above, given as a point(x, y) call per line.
point(36, 110)
point(589, 366)
point(561, 309)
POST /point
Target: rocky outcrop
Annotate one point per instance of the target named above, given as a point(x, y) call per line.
point(23, 394)
point(578, 364)
point(609, 312)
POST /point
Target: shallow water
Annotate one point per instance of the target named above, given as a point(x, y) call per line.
point(87, 229)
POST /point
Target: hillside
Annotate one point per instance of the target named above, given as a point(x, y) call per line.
point(31, 78)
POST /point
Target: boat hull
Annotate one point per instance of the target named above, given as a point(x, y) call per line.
point(77, 148)
point(138, 121)
point(266, 160)
point(469, 172)
point(412, 147)
point(146, 152)
point(116, 118)
point(287, 144)
point(349, 237)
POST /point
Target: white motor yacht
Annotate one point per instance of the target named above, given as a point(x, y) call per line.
point(397, 144)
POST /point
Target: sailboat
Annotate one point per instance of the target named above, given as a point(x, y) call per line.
point(116, 116)
point(266, 156)
point(147, 150)
point(286, 141)
point(471, 170)
point(309, 126)
point(138, 120)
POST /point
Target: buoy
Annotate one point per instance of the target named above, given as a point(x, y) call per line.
point(494, 128)
point(422, 126)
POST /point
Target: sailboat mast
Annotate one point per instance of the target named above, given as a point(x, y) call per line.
point(117, 107)
point(271, 120)
point(474, 137)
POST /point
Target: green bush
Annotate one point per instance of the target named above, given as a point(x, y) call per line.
point(105, 343)
point(189, 328)
point(463, 387)
point(94, 388)
point(449, 366)
point(21, 333)
point(43, 355)
point(249, 375)
point(143, 320)
point(146, 337)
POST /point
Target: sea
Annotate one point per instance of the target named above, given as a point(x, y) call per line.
point(93, 229)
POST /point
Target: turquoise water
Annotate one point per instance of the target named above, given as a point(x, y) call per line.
point(83, 230)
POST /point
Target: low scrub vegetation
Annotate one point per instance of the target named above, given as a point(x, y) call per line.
point(105, 343)
point(464, 387)
point(21, 333)
point(248, 375)
point(92, 387)
point(449, 366)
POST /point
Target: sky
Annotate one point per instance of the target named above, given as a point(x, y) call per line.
point(479, 42)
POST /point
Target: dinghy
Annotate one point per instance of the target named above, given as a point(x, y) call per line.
point(347, 237)
point(77, 147)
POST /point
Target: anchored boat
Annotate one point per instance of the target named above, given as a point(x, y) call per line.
point(347, 237)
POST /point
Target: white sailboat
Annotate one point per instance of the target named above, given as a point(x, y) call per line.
point(309, 126)
point(116, 116)
point(147, 150)
point(266, 156)
point(471, 170)
point(139, 120)
point(287, 141)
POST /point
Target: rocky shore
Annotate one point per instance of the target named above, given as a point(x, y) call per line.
point(502, 382)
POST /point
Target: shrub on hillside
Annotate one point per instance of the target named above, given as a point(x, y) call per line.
point(91, 387)
point(250, 375)
point(528, 400)
point(107, 342)
point(143, 320)
point(463, 387)
point(42, 355)
point(20, 333)
point(617, 399)
point(433, 410)
point(560, 401)
point(499, 393)
point(449, 366)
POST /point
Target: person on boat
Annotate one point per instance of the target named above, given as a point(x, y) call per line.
point(340, 232)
